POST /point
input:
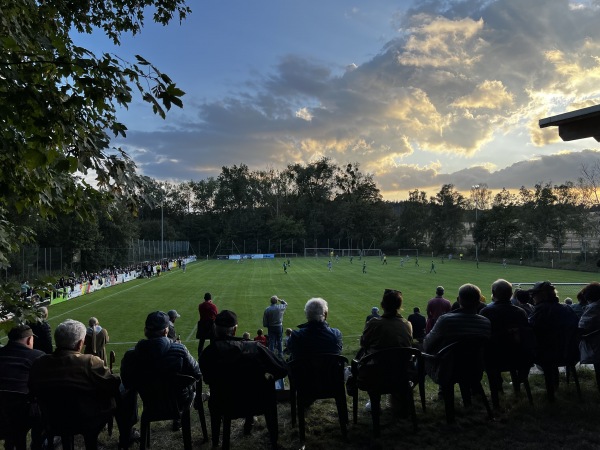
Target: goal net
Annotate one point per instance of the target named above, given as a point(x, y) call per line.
point(318, 251)
point(349, 252)
point(408, 253)
point(372, 252)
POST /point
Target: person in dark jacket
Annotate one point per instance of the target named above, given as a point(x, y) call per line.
point(418, 323)
point(462, 323)
point(509, 341)
point(42, 331)
point(315, 336)
point(158, 356)
point(16, 359)
point(555, 328)
point(226, 361)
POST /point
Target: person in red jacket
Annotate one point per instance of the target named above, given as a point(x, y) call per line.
point(208, 312)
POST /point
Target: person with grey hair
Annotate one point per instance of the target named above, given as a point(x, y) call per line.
point(68, 371)
point(461, 323)
point(42, 331)
point(273, 320)
point(96, 339)
point(315, 336)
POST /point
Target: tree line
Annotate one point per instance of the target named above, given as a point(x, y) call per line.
point(324, 204)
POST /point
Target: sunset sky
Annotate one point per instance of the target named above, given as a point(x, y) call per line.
point(419, 93)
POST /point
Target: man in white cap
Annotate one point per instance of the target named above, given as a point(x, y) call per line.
point(273, 320)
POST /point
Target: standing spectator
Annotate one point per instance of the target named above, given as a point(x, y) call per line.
point(25, 289)
point(436, 307)
point(374, 314)
point(418, 323)
point(286, 339)
point(315, 336)
point(208, 311)
point(173, 316)
point(42, 331)
point(273, 320)
point(96, 339)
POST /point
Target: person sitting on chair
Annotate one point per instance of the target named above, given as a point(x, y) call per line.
point(590, 322)
point(68, 371)
point(229, 359)
point(157, 356)
point(462, 323)
point(16, 359)
point(506, 320)
point(392, 330)
point(315, 336)
point(555, 328)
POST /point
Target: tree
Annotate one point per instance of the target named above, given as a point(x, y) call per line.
point(58, 106)
point(447, 218)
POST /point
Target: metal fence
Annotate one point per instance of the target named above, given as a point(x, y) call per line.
point(39, 262)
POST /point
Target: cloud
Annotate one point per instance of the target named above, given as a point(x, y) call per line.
point(556, 169)
point(456, 77)
point(489, 94)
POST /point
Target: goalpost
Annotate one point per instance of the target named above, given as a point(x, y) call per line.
point(318, 251)
point(408, 252)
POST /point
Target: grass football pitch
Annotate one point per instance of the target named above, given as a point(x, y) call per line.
point(246, 288)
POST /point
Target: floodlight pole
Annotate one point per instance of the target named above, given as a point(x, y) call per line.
point(476, 191)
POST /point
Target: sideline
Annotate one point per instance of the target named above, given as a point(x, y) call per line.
point(101, 299)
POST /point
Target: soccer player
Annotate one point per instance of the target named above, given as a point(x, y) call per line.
point(329, 265)
point(364, 267)
point(284, 267)
point(432, 267)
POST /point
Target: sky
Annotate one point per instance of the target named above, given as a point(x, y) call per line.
point(418, 93)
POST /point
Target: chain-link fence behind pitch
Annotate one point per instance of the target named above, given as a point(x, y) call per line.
point(564, 290)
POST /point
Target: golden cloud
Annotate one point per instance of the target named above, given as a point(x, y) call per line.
point(491, 94)
point(441, 42)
